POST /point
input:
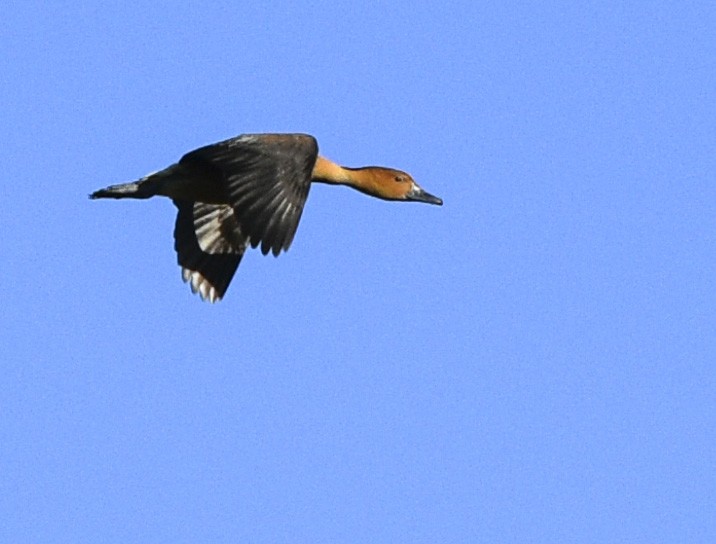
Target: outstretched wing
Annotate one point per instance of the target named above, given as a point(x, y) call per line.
point(209, 246)
point(267, 178)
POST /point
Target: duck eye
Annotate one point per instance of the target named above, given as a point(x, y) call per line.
point(399, 178)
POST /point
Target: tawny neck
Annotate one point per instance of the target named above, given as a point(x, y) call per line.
point(326, 171)
point(372, 180)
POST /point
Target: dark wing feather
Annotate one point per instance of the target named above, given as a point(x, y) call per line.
point(267, 178)
point(209, 246)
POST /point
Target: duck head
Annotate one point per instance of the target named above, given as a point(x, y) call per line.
point(391, 184)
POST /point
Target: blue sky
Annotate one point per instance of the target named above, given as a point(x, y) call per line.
point(532, 362)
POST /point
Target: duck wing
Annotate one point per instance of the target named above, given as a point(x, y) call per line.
point(266, 177)
point(209, 246)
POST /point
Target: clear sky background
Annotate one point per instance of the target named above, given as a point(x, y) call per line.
point(532, 362)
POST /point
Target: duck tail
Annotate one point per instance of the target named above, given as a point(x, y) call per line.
point(124, 190)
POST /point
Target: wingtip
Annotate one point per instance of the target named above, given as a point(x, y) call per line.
point(200, 286)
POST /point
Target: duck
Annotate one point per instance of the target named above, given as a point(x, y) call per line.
point(249, 191)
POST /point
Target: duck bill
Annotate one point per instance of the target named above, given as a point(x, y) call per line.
point(417, 194)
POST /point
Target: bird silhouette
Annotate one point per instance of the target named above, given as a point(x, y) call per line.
point(250, 191)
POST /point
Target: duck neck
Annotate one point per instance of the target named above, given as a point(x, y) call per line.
point(326, 171)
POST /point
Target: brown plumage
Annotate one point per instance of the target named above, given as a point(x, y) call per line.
point(250, 191)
